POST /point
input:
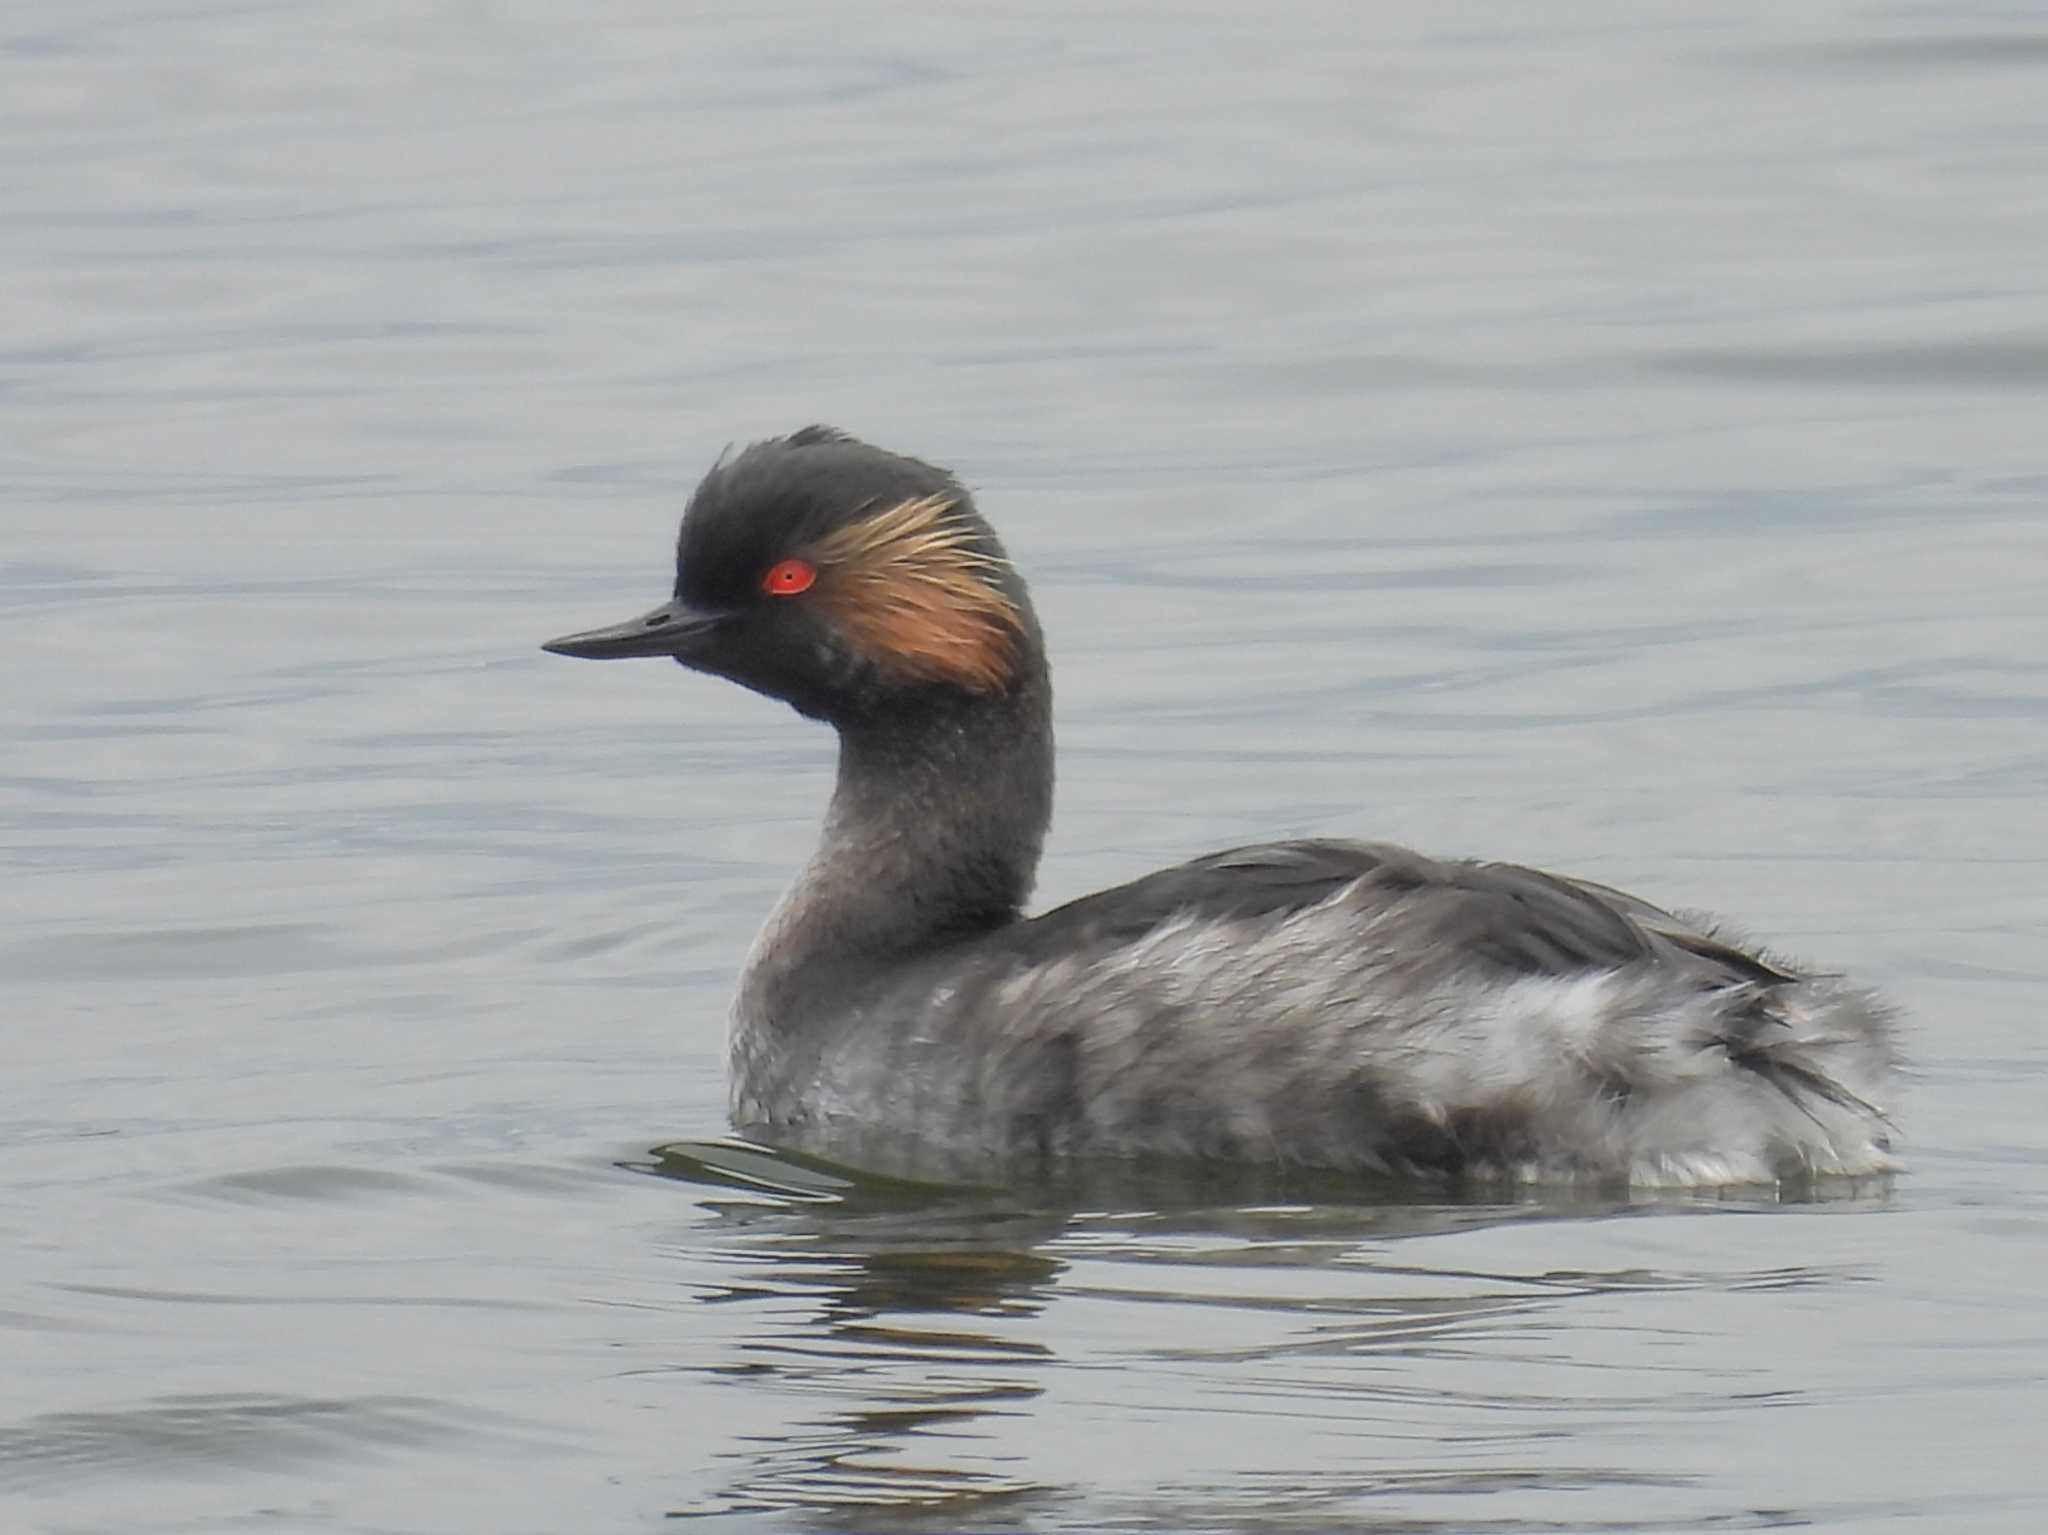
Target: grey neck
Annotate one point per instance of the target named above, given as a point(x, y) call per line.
point(933, 834)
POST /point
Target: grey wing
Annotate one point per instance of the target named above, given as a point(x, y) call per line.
point(1518, 920)
point(1188, 1010)
point(1686, 934)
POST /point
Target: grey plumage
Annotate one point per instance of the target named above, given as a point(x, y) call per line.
point(1356, 1007)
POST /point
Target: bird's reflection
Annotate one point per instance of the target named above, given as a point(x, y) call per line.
point(919, 1353)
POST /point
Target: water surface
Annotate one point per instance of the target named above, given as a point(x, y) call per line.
point(1608, 438)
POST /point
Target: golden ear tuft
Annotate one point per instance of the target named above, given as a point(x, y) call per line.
point(910, 588)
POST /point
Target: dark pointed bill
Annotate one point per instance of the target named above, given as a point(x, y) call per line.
point(669, 630)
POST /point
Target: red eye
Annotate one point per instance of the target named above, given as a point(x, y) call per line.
point(786, 578)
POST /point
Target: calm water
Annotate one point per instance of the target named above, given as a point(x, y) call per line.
point(1611, 438)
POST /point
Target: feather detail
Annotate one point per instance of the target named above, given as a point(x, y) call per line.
point(910, 586)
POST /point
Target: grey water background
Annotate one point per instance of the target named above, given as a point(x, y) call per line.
point(1604, 435)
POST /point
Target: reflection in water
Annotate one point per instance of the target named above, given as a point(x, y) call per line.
point(903, 1396)
point(922, 1334)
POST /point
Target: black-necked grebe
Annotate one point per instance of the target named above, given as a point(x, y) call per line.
point(1337, 1005)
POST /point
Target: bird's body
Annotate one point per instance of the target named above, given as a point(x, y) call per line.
point(1352, 1007)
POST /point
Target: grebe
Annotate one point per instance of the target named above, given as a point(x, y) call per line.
point(1354, 1007)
